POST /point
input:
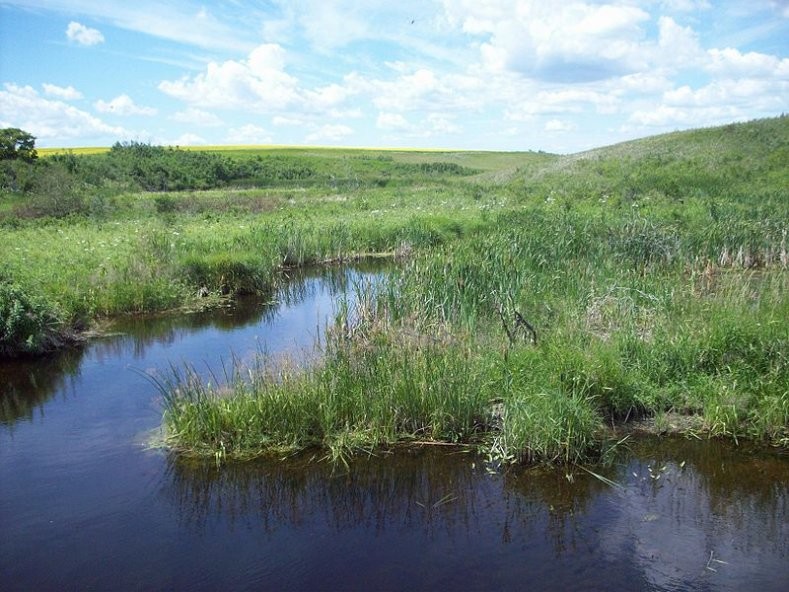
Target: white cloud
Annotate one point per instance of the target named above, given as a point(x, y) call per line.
point(279, 120)
point(67, 93)
point(52, 121)
point(392, 121)
point(83, 35)
point(248, 134)
point(354, 69)
point(557, 125)
point(755, 94)
point(421, 89)
point(258, 83)
point(327, 96)
point(650, 83)
point(174, 21)
point(677, 46)
point(434, 124)
point(123, 105)
point(566, 100)
point(328, 26)
point(730, 63)
point(685, 5)
point(441, 124)
point(715, 103)
point(557, 42)
point(194, 116)
point(331, 132)
point(188, 139)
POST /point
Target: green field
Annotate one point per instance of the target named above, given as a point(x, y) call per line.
point(652, 273)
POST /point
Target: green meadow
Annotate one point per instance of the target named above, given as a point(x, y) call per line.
point(535, 301)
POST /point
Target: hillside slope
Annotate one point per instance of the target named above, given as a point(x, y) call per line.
point(732, 162)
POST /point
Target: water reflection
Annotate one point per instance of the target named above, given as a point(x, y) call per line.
point(25, 385)
point(699, 512)
point(82, 502)
point(416, 489)
point(688, 515)
point(150, 341)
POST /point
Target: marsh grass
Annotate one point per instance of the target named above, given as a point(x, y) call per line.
point(654, 273)
point(643, 309)
point(363, 395)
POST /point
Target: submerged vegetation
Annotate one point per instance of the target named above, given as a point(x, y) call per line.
point(538, 299)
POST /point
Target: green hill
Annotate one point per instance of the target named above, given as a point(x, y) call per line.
point(740, 161)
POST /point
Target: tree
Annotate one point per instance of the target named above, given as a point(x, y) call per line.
point(17, 144)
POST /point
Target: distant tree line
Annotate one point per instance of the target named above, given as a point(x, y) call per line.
point(137, 165)
point(65, 182)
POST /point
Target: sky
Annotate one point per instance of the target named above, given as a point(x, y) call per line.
point(560, 76)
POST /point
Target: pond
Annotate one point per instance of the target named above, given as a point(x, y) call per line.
point(85, 503)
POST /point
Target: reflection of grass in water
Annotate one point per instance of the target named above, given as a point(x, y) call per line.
point(25, 384)
point(419, 488)
point(387, 490)
point(724, 490)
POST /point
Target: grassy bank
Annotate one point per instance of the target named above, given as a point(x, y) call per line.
point(613, 286)
point(79, 246)
point(438, 354)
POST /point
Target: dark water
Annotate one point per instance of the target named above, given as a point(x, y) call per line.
point(85, 505)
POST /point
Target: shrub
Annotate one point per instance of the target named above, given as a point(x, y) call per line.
point(27, 324)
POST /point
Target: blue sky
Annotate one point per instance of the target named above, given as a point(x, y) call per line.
point(559, 76)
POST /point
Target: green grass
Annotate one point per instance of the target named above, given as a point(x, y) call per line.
point(653, 274)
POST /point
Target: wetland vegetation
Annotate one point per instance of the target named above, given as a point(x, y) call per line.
point(537, 300)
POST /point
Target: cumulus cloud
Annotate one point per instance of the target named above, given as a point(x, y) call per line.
point(565, 100)
point(678, 46)
point(420, 89)
point(261, 84)
point(685, 5)
point(615, 59)
point(731, 63)
point(326, 97)
point(328, 26)
point(50, 120)
point(392, 121)
point(123, 105)
point(187, 139)
point(557, 125)
point(742, 86)
point(280, 120)
point(67, 93)
point(524, 65)
point(434, 124)
point(331, 132)
point(194, 116)
point(257, 83)
point(716, 103)
point(441, 124)
point(556, 42)
point(755, 94)
point(83, 35)
point(248, 134)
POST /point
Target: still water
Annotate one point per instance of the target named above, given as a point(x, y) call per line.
point(86, 505)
